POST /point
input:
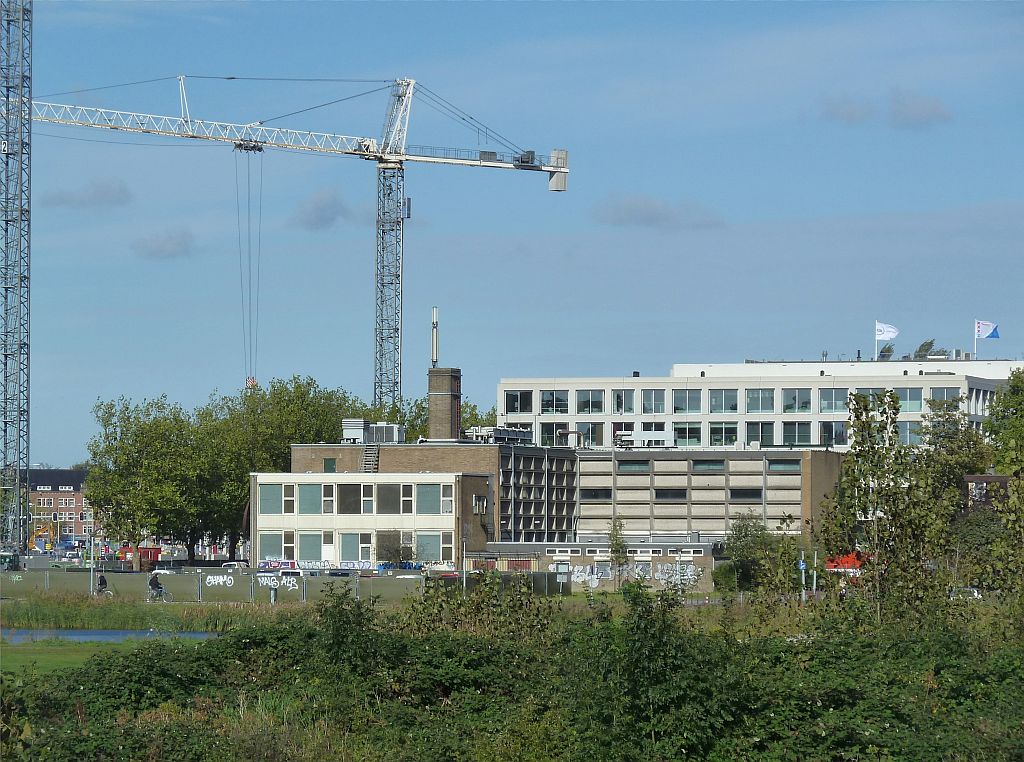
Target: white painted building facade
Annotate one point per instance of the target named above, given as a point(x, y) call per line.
point(739, 405)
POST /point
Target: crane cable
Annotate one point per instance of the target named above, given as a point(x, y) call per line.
point(249, 260)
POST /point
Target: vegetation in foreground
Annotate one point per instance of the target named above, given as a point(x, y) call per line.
point(499, 675)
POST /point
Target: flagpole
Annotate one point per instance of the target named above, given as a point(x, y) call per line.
point(975, 339)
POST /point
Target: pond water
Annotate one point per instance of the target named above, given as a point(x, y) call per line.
point(14, 635)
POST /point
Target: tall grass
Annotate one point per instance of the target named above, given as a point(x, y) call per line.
point(70, 611)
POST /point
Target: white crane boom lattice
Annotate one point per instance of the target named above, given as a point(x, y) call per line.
point(390, 153)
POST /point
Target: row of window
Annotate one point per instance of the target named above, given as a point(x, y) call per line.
point(48, 488)
point(689, 401)
point(719, 433)
point(705, 466)
point(629, 551)
point(423, 547)
point(674, 494)
point(353, 499)
point(62, 502)
point(63, 516)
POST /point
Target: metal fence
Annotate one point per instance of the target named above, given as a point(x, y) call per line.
point(243, 586)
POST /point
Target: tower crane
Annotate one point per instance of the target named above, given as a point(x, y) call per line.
point(390, 153)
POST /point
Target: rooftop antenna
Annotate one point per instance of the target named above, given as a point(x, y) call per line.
point(433, 340)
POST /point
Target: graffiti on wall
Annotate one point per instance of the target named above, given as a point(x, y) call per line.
point(225, 580)
point(678, 575)
point(275, 582)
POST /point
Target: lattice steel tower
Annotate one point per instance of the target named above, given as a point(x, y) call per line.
point(16, 144)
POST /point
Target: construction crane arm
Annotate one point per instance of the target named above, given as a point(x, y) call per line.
point(261, 136)
point(202, 129)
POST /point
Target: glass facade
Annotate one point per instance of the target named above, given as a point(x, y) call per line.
point(796, 400)
point(685, 401)
point(722, 400)
point(760, 400)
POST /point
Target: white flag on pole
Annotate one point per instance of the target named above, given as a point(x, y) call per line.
point(884, 331)
point(983, 329)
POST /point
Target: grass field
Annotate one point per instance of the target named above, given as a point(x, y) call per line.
point(49, 655)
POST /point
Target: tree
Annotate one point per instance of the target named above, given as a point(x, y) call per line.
point(1005, 426)
point(886, 505)
point(471, 416)
point(617, 548)
point(142, 469)
point(885, 353)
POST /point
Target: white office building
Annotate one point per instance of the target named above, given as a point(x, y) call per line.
point(739, 405)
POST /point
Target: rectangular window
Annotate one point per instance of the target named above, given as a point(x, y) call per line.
point(66, 502)
point(796, 432)
point(407, 499)
point(554, 401)
point(447, 546)
point(762, 432)
point(634, 466)
point(653, 401)
point(389, 497)
point(871, 393)
point(310, 498)
point(288, 546)
point(722, 433)
point(833, 400)
point(270, 546)
point(760, 400)
point(943, 393)
point(686, 434)
point(593, 434)
point(519, 401)
point(673, 494)
point(66, 488)
point(909, 432)
point(686, 401)
point(348, 499)
point(330, 465)
point(623, 401)
point(796, 400)
point(349, 546)
point(270, 498)
point(288, 498)
point(44, 502)
point(448, 499)
point(910, 399)
point(428, 499)
point(327, 538)
point(745, 494)
point(428, 547)
point(589, 401)
point(549, 436)
point(708, 466)
point(328, 498)
point(621, 430)
point(367, 498)
point(365, 546)
point(833, 433)
point(310, 546)
point(722, 401)
point(595, 493)
point(787, 466)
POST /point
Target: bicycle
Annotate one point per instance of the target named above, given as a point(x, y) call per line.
point(104, 593)
point(161, 595)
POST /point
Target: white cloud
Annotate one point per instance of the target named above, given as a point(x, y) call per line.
point(97, 193)
point(914, 111)
point(169, 244)
point(321, 210)
point(648, 212)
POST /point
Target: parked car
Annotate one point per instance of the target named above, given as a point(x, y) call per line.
point(233, 565)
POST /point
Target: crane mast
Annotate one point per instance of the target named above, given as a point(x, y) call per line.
point(15, 167)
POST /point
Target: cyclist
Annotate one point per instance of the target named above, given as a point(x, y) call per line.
point(101, 585)
point(155, 588)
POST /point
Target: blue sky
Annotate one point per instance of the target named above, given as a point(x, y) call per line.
point(748, 181)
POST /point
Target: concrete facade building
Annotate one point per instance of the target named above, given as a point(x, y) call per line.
point(739, 405)
point(361, 519)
